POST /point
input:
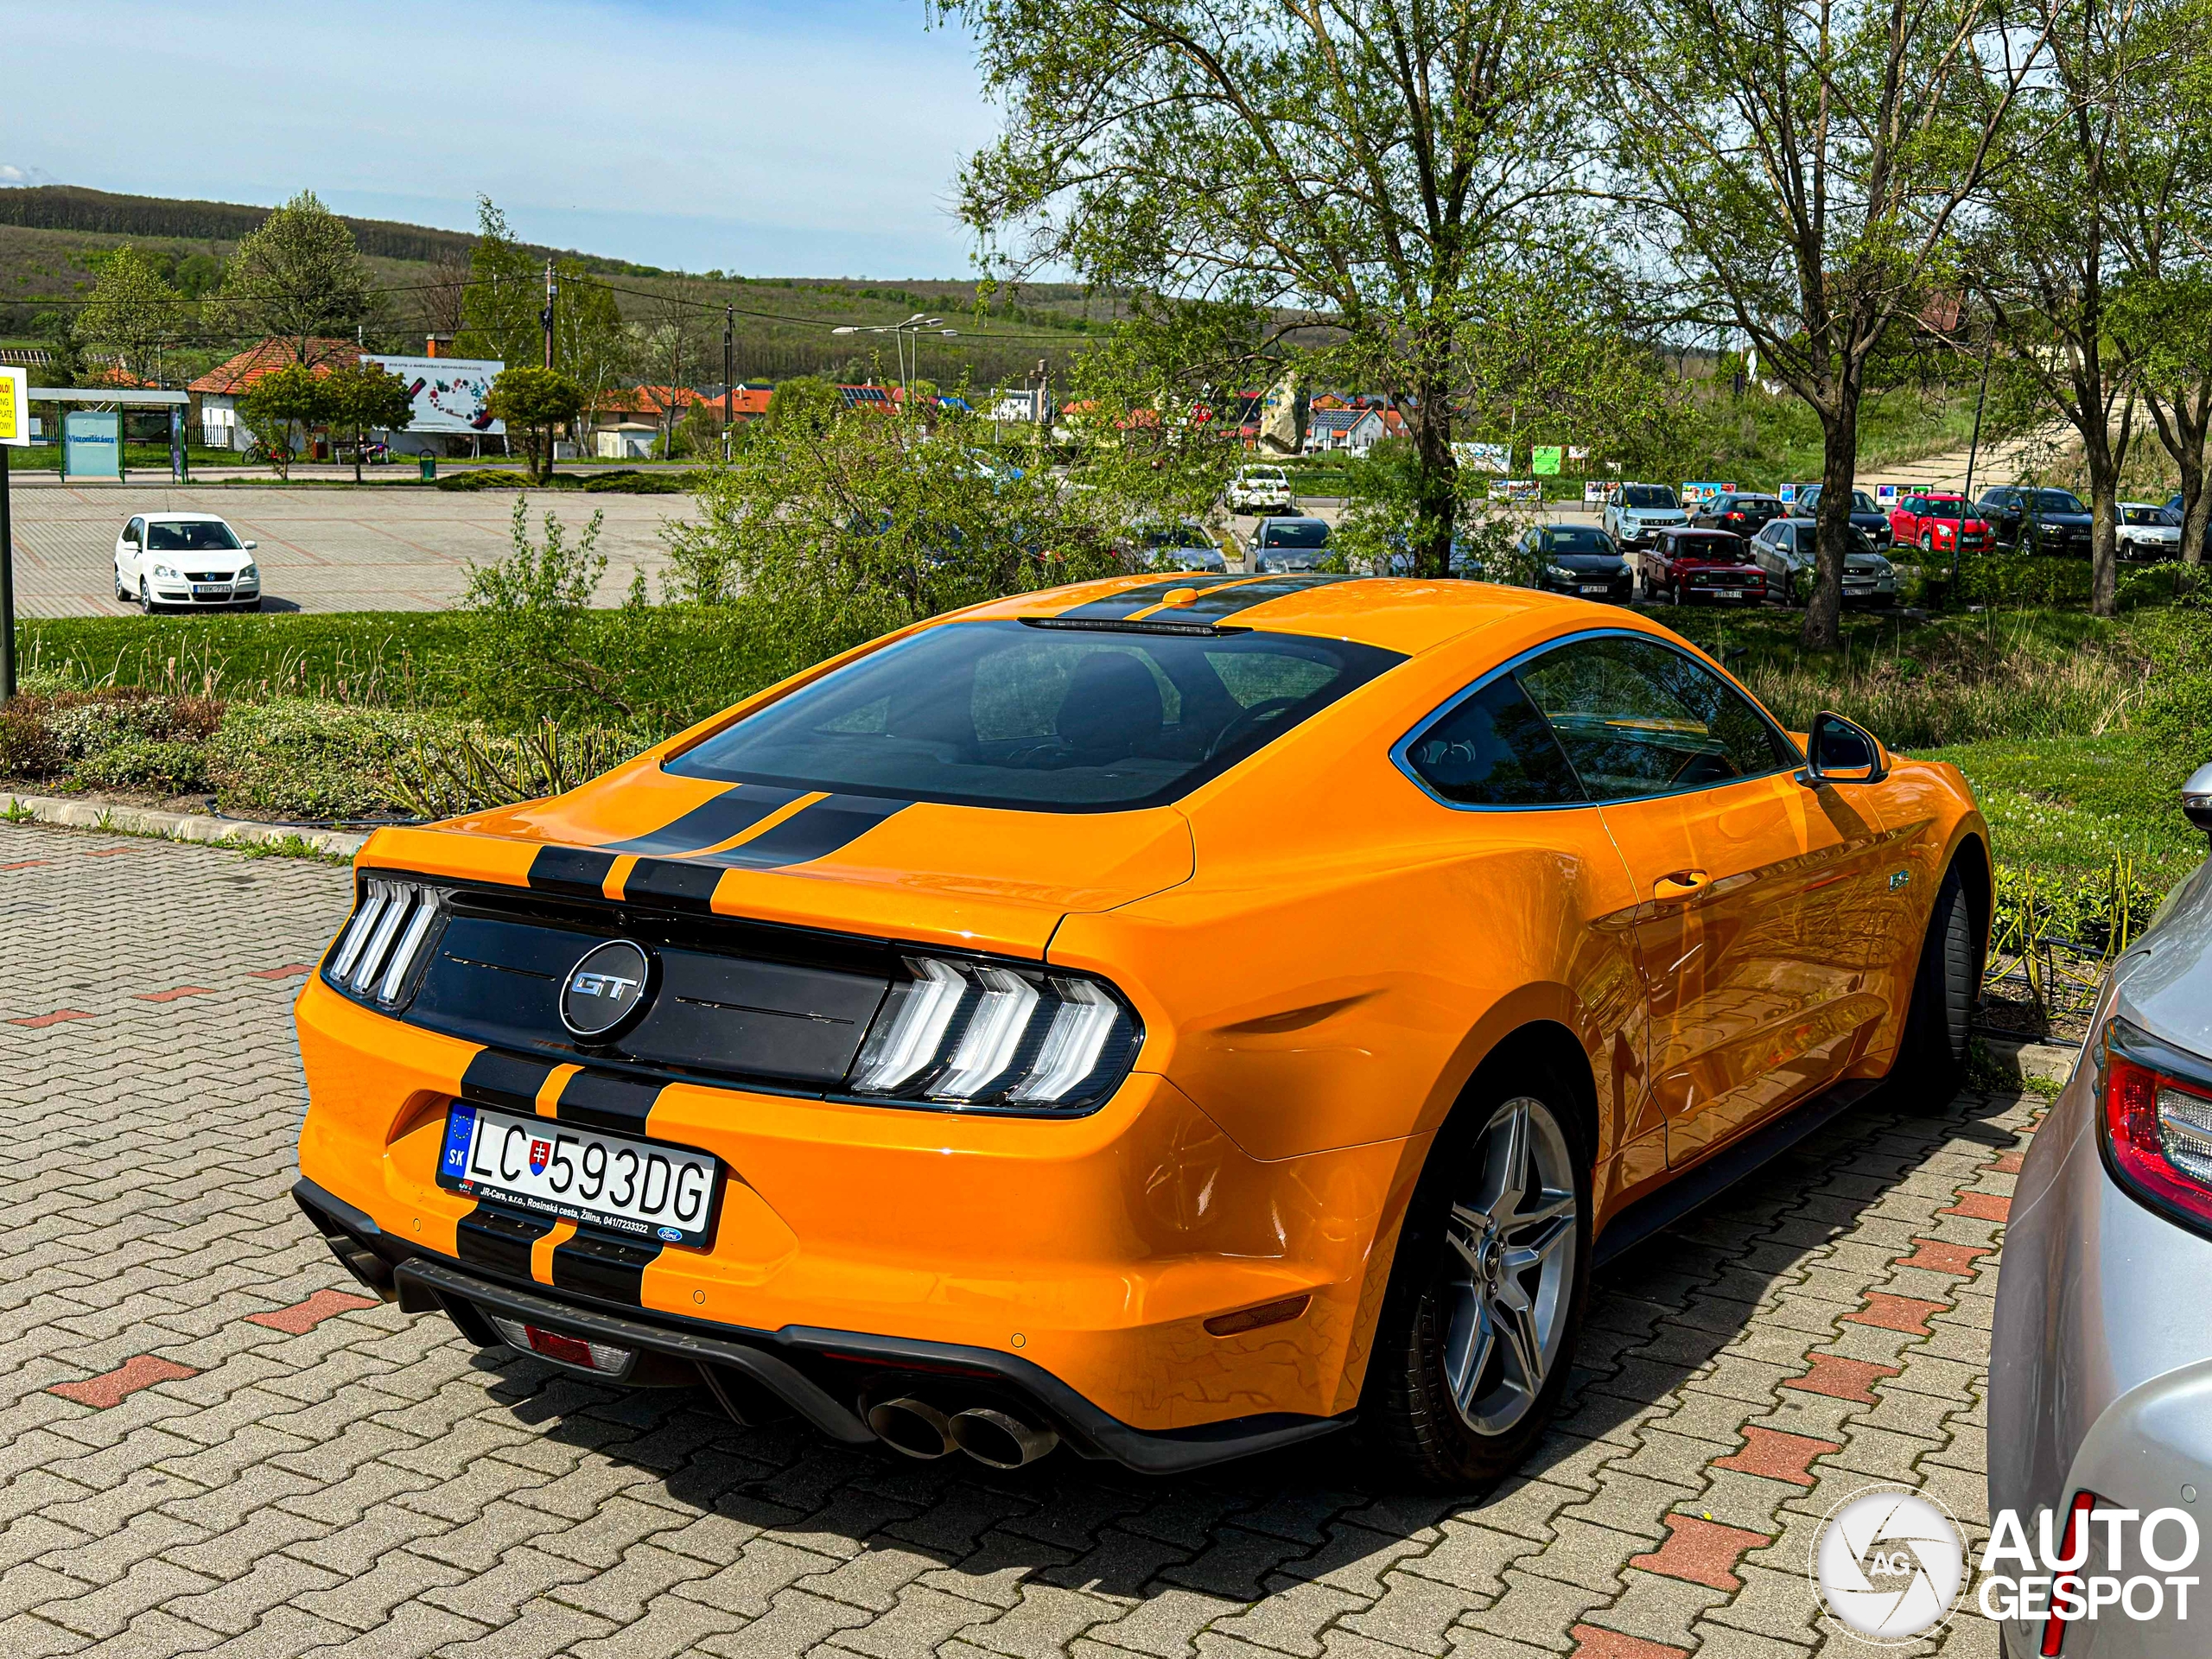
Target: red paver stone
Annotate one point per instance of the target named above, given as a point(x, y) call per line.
point(25, 864)
point(1938, 1257)
point(1774, 1455)
point(107, 852)
point(171, 996)
point(40, 1021)
point(2007, 1163)
point(1591, 1642)
point(1840, 1378)
point(1701, 1551)
point(1981, 1206)
point(1907, 1313)
point(286, 972)
point(114, 1387)
point(302, 1317)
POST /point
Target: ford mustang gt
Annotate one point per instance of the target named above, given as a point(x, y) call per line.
point(1173, 1017)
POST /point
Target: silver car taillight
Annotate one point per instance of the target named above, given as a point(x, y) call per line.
point(995, 1036)
point(381, 945)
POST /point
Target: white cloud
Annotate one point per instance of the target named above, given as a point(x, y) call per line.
point(22, 175)
point(677, 138)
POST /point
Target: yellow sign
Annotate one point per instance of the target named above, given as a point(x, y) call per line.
point(14, 406)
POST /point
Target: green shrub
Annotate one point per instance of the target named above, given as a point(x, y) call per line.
point(2030, 579)
point(486, 478)
point(170, 766)
point(295, 759)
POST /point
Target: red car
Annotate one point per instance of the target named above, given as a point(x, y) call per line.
point(1939, 523)
point(1691, 565)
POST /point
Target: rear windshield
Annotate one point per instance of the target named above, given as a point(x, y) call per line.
point(1647, 495)
point(1717, 548)
point(1295, 532)
point(194, 535)
point(1176, 535)
point(1038, 719)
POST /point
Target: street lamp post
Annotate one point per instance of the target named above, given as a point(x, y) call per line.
point(913, 328)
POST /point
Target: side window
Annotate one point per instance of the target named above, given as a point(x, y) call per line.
point(1494, 749)
point(1639, 718)
point(135, 534)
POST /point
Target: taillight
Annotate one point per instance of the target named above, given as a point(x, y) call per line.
point(2157, 1124)
point(2074, 1548)
point(381, 947)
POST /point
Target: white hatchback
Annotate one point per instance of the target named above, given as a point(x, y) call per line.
point(191, 560)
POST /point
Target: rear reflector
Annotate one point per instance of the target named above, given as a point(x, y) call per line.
point(601, 1358)
point(2074, 1548)
point(1252, 1319)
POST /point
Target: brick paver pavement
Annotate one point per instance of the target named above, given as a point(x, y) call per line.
point(208, 1444)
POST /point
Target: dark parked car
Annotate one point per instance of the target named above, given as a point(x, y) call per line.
point(1784, 550)
point(1578, 559)
point(1738, 515)
point(2173, 505)
point(1280, 545)
point(2037, 521)
point(1867, 519)
point(1691, 565)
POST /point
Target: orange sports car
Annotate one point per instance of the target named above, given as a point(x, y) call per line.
point(1172, 1017)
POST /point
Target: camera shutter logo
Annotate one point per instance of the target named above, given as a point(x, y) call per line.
point(605, 990)
point(1889, 1563)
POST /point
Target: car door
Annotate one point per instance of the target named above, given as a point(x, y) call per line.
point(128, 550)
point(1751, 887)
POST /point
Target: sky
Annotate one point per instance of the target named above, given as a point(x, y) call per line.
point(775, 137)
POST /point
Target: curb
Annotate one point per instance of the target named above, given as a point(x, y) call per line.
point(78, 813)
point(2026, 1059)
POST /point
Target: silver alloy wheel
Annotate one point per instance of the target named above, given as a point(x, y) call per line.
point(1510, 1272)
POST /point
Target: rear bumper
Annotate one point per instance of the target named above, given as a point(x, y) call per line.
point(824, 1376)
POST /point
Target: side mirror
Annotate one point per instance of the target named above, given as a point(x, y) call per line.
point(250, 546)
point(2197, 799)
point(1837, 752)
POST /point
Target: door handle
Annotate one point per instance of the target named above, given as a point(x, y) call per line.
point(1679, 885)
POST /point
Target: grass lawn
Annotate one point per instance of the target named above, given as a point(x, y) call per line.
point(2068, 804)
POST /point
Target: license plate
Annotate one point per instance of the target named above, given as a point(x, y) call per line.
point(1600, 588)
point(644, 1188)
point(211, 590)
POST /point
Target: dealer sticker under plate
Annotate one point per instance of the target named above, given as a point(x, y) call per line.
point(643, 1188)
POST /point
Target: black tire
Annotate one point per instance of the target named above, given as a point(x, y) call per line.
point(146, 606)
point(1411, 1412)
point(1932, 1061)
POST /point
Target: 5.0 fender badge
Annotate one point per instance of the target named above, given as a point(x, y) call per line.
point(606, 989)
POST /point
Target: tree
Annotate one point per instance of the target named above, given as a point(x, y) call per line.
point(1368, 172)
point(283, 402)
point(298, 277)
point(669, 344)
point(1800, 166)
point(504, 295)
point(132, 312)
point(590, 344)
point(363, 397)
point(540, 401)
point(801, 403)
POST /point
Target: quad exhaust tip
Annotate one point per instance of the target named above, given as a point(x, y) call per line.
point(991, 1436)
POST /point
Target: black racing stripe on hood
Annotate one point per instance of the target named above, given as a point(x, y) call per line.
point(733, 811)
point(1212, 607)
point(578, 872)
point(599, 1264)
point(499, 1240)
point(673, 884)
point(1116, 607)
point(599, 1100)
point(813, 832)
point(507, 1081)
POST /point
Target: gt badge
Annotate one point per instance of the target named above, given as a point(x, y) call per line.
point(1899, 879)
point(605, 989)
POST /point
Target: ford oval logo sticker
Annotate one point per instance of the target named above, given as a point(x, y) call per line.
point(605, 989)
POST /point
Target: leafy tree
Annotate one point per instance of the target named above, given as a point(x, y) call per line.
point(801, 403)
point(1801, 167)
point(539, 401)
point(533, 656)
point(505, 292)
point(1369, 172)
point(132, 312)
point(362, 397)
point(2085, 158)
point(590, 344)
point(298, 277)
point(280, 406)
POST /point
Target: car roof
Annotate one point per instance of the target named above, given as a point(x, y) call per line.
point(1402, 614)
point(181, 518)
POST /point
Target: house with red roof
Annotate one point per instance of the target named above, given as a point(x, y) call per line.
point(215, 394)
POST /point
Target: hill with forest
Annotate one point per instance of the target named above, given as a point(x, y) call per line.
point(54, 239)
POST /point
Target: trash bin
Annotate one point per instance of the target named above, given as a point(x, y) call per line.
point(430, 465)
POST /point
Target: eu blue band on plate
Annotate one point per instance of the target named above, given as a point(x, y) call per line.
point(460, 1128)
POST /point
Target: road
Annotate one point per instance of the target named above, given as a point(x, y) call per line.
point(208, 1444)
point(379, 549)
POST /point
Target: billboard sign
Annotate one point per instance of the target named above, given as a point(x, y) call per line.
point(1484, 457)
point(15, 425)
point(1544, 461)
point(1595, 490)
point(91, 443)
point(448, 391)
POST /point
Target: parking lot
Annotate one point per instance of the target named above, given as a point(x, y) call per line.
point(209, 1444)
point(379, 549)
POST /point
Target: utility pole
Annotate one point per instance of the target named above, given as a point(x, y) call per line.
point(1974, 450)
point(730, 372)
point(545, 317)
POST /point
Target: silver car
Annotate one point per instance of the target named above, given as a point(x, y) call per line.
point(2100, 1362)
point(1635, 512)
